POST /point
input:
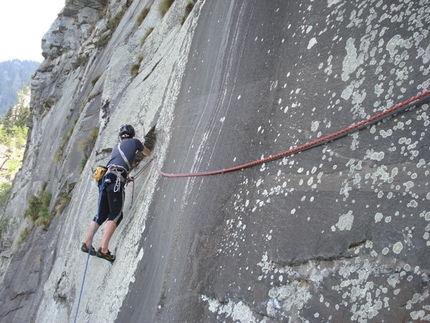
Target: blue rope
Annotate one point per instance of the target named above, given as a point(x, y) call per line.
point(89, 250)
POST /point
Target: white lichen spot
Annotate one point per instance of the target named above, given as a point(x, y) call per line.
point(293, 296)
point(374, 155)
point(345, 221)
point(347, 92)
point(412, 203)
point(333, 2)
point(264, 263)
point(239, 312)
point(378, 217)
point(242, 313)
point(351, 61)
point(312, 43)
point(418, 315)
point(397, 41)
point(386, 133)
point(408, 185)
point(315, 125)
point(397, 247)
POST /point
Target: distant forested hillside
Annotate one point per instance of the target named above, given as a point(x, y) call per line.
point(13, 138)
point(13, 75)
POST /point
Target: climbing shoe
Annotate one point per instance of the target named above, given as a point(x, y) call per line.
point(108, 256)
point(85, 249)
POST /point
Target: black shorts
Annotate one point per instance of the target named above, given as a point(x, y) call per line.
point(110, 202)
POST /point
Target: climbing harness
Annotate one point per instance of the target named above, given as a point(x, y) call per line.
point(118, 171)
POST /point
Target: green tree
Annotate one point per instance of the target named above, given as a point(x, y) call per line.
point(5, 190)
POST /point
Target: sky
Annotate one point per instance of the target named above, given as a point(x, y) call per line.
point(23, 23)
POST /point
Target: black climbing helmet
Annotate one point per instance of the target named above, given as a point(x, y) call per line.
point(126, 131)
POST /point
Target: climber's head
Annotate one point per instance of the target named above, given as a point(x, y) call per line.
point(126, 131)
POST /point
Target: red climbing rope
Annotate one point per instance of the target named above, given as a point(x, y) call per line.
point(416, 100)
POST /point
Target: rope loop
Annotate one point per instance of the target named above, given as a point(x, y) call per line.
point(401, 107)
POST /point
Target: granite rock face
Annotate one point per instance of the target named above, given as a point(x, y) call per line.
point(336, 233)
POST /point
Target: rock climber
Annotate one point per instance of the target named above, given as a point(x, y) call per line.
point(111, 189)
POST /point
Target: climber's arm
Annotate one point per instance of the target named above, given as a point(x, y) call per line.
point(145, 150)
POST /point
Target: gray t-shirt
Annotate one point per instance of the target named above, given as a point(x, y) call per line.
point(129, 147)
